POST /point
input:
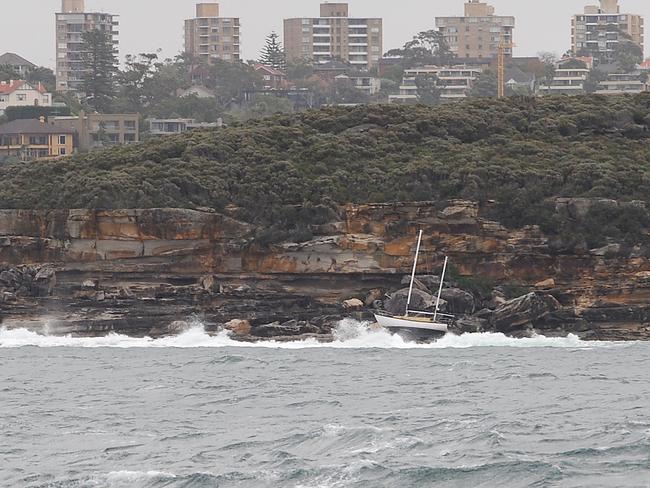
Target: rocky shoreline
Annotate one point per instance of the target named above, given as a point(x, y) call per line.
point(154, 272)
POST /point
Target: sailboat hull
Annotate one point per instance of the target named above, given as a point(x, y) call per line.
point(412, 329)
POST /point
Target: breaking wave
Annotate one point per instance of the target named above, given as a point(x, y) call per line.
point(349, 334)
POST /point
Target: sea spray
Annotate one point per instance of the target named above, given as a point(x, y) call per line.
point(349, 334)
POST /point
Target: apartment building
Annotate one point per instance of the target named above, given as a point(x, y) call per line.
point(209, 36)
point(335, 36)
point(478, 33)
point(100, 130)
point(566, 81)
point(600, 28)
point(19, 93)
point(622, 84)
point(166, 127)
point(29, 139)
point(454, 81)
point(71, 23)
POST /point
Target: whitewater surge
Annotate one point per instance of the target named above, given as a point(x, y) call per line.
point(349, 334)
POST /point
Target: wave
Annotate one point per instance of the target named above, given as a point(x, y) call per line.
point(349, 334)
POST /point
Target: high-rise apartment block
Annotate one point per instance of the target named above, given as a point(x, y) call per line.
point(479, 33)
point(598, 31)
point(71, 23)
point(209, 37)
point(334, 36)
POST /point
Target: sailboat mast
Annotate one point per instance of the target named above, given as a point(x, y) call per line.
point(442, 280)
point(415, 267)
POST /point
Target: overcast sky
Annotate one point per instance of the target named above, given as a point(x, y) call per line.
point(27, 26)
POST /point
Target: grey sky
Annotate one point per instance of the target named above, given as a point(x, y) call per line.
point(28, 25)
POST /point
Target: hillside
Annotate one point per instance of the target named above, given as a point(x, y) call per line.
point(518, 151)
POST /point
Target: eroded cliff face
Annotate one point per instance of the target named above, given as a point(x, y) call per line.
point(142, 271)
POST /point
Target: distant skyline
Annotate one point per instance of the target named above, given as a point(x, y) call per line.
point(28, 27)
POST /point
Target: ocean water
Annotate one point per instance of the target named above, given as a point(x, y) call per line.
point(369, 410)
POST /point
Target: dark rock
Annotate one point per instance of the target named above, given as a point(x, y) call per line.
point(497, 299)
point(470, 325)
point(290, 328)
point(417, 283)
point(459, 301)
point(209, 284)
point(521, 313)
point(565, 319)
point(44, 282)
point(485, 313)
point(374, 296)
point(420, 300)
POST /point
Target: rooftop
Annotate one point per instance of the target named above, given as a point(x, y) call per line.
point(15, 60)
point(32, 126)
point(7, 87)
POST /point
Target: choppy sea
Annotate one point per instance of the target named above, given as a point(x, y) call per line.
point(369, 410)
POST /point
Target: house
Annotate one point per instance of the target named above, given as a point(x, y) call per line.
point(274, 79)
point(16, 93)
point(166, 127)
point(17, 63)
point(99, 130)
point(367, 84)
point(30, 139)
point(520, 81)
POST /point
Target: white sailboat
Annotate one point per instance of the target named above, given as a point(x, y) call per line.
point(415, 324)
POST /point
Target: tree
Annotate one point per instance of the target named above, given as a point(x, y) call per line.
point(485, 85)
point(574, 64)
point(138, 71)
point(42, 75)
point(593, 80)
point(100, 67)
point(266, 105)
point(272, 53)
point(429, 89)
point(230, 80)
point(299, 69)
point(627, 54)
point(427, 47)
point(8, 73)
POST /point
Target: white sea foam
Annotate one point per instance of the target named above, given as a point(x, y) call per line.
point(349, 334)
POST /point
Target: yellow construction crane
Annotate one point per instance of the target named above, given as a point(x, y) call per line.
point(501, 67)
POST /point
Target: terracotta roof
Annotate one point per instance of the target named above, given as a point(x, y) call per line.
point(269, 69)
point(15, 60)
point(32, 126)
point(7, 87)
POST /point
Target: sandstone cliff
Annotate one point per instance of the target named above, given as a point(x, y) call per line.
point(143, 272)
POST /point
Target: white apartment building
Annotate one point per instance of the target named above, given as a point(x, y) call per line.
point(455, 82)
point(566, 81)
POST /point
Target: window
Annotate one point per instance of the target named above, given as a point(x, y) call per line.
point(21, 97)
point(62, 150)
point(62, 140)
point(129, 124)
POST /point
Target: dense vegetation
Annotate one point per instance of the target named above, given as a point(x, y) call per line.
point(517, 151)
